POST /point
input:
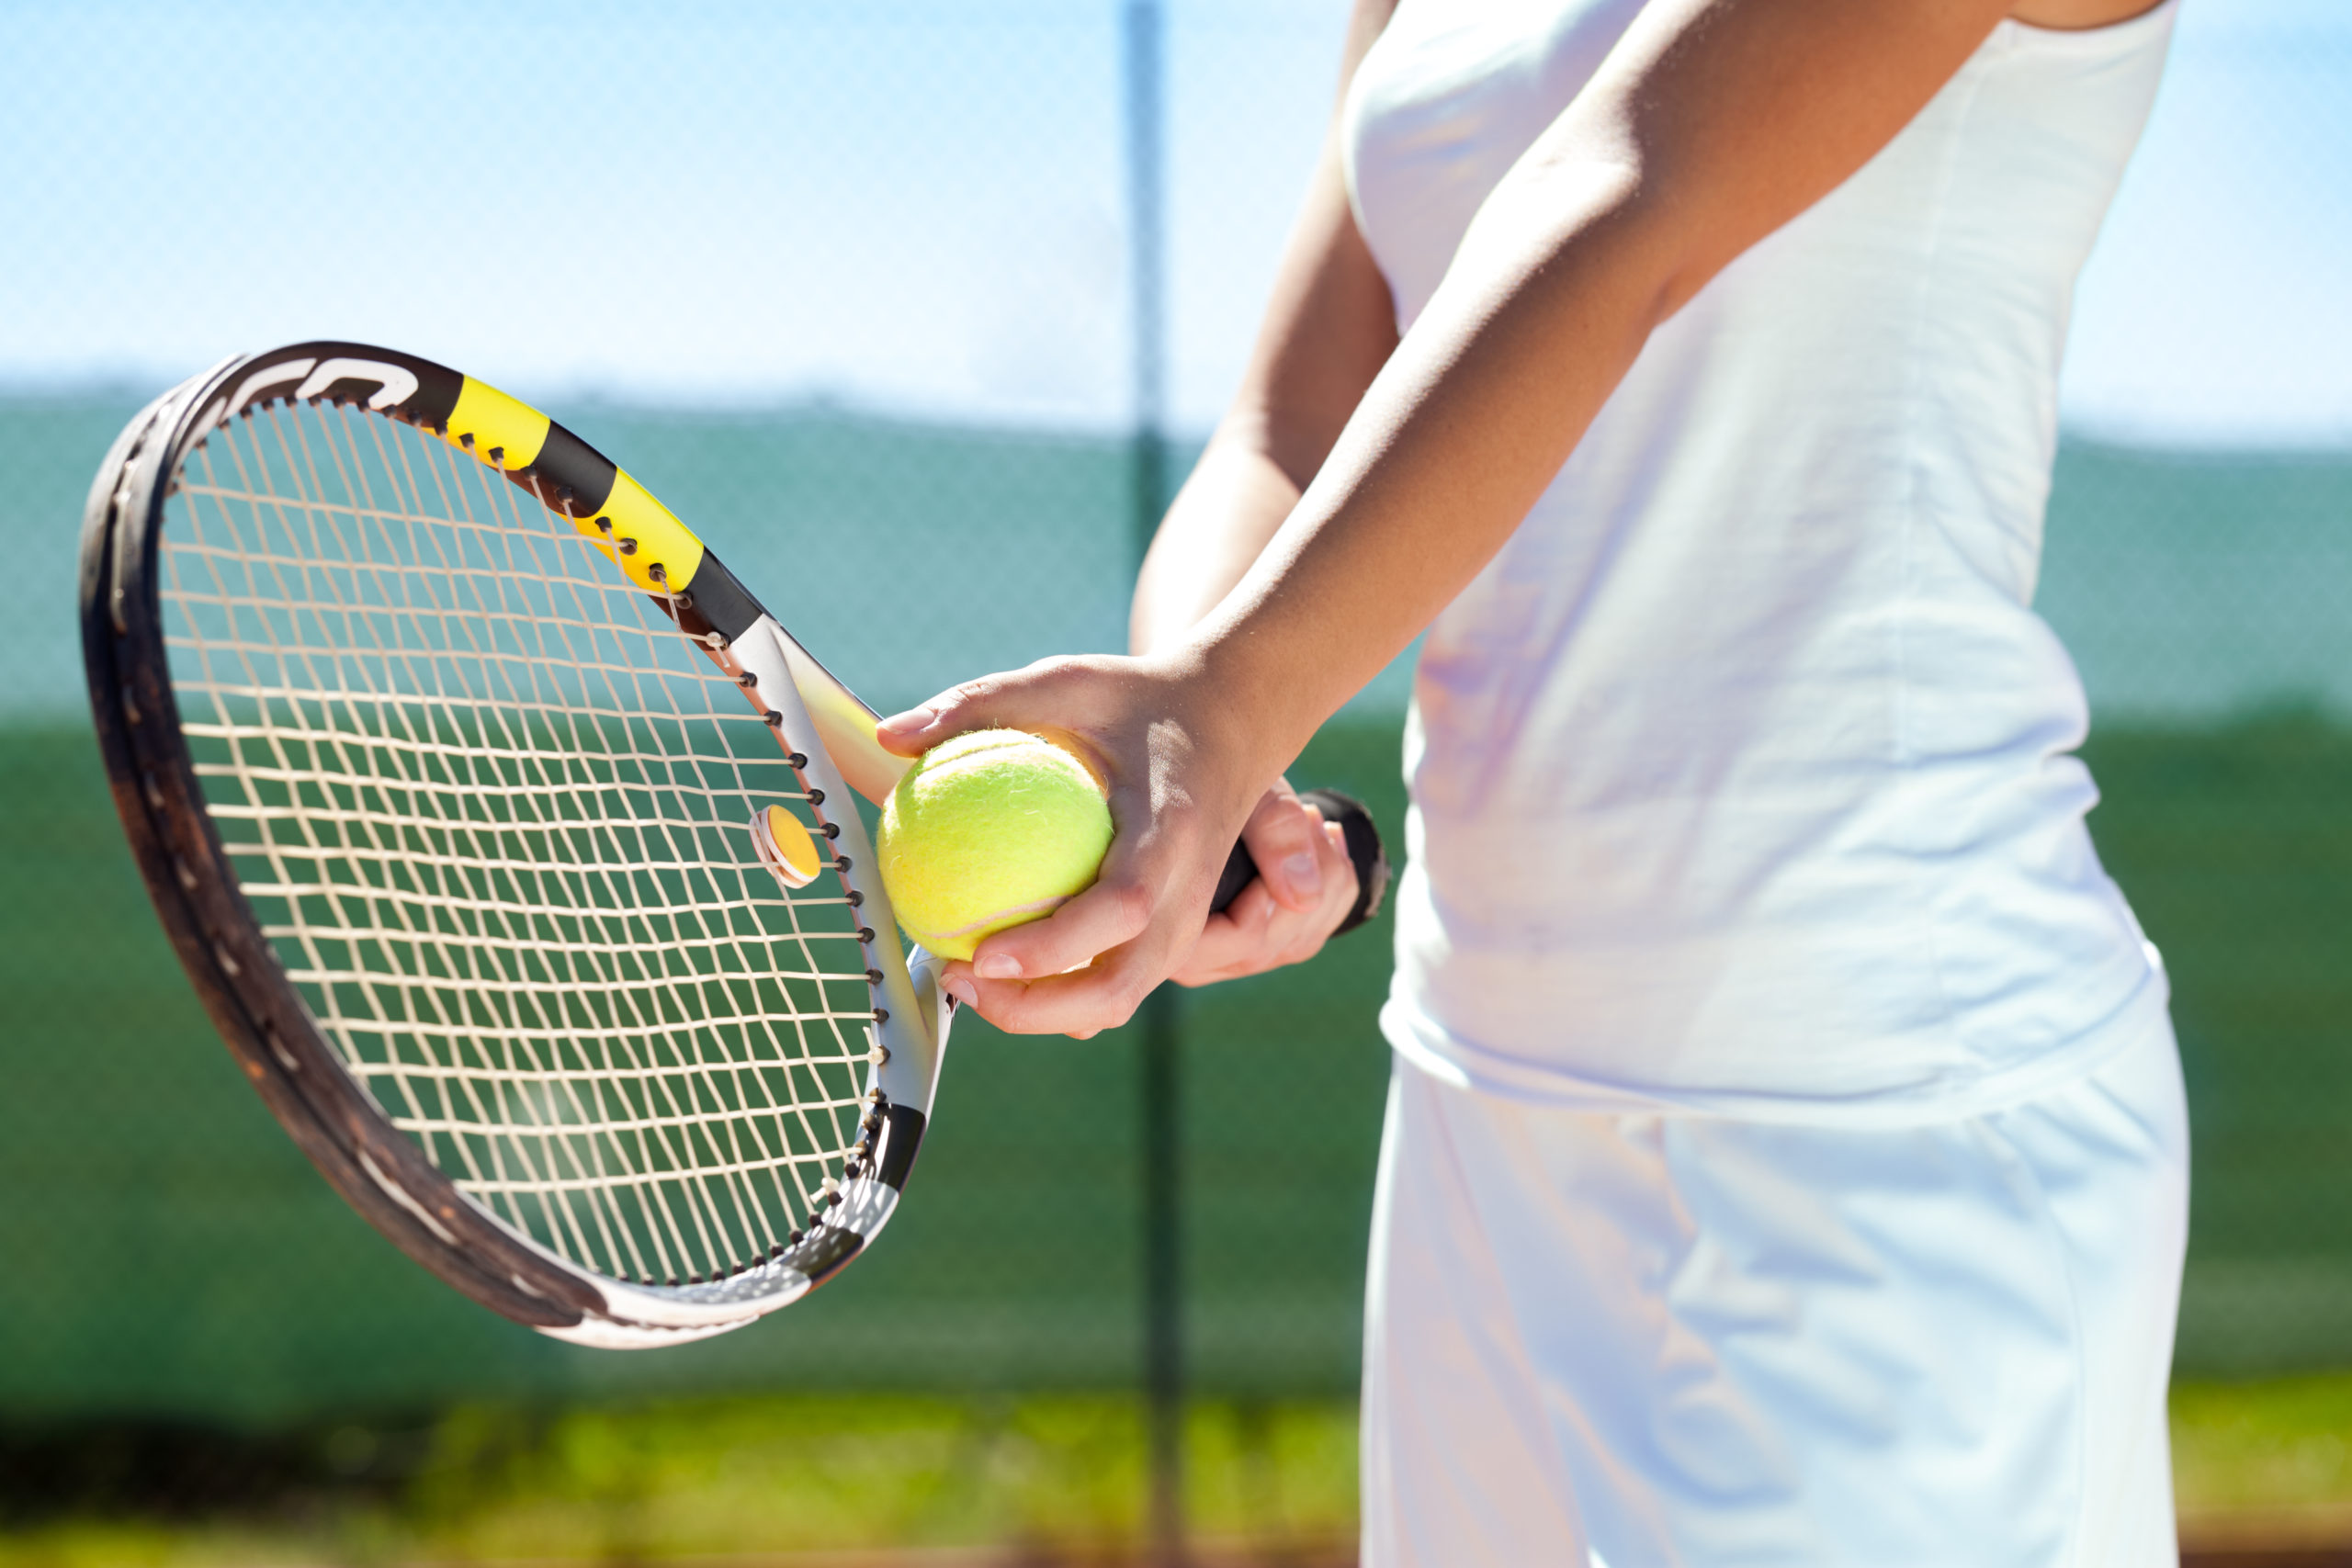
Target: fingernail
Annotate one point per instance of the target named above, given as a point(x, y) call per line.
point(963, 991)
point(913, 720)
point(1305, 875)
point(997, 966)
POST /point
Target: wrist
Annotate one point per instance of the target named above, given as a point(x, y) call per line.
point(1268, 700)
point(1228, 713)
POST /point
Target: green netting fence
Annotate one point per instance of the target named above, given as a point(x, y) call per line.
point(166, 1252)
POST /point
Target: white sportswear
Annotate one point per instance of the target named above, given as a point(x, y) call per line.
point(1637, 1340)
point(1743, 777)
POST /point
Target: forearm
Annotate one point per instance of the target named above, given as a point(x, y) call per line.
point(1329, 328)
point(1545, 309)
point(1233, 503)
point(1330, 325)
point(1715, 122)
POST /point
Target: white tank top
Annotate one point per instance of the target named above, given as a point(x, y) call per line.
point(1742, 778)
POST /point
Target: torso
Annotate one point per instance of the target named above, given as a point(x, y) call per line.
point(1742, 774)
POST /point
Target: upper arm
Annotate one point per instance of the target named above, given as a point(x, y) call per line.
point(1714, 122)
point(1329, 322)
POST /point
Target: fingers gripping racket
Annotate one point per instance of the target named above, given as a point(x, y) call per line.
point(509, 843)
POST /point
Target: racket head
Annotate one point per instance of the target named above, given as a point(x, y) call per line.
point(442, 787)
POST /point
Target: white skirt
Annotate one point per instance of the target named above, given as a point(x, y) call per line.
point(1634, 1340)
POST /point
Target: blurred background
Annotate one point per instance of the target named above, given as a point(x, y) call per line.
point(974, 276)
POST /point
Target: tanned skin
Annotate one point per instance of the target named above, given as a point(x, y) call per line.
point(1359, 481)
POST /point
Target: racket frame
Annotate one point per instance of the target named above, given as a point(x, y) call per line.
point(374, 1166)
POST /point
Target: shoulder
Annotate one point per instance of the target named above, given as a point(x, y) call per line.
point(2076, 15)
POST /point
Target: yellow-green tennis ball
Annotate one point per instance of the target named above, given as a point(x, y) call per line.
point(987, 831)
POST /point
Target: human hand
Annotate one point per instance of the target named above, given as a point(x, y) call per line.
point(1182, 772)
point(1306, 888)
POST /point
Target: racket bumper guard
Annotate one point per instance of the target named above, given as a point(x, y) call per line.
point(603, 1334)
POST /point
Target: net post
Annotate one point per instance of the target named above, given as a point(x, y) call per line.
point(1159, 1074)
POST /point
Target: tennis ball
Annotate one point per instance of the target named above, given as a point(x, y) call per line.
point(990, 829)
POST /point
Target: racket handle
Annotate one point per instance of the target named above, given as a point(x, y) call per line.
point(1364, 850)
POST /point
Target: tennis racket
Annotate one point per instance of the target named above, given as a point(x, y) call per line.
point(509, 843)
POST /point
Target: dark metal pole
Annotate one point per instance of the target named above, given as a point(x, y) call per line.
point(1163, 1322)
point(1163, 1284)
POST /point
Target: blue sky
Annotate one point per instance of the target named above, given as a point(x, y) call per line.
point(2218, 306)
point(919, 207)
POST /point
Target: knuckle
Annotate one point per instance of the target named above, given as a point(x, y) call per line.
point(977, 692)
point(1126, 992)
point(1060, 671)
point(1129, 904)
point(1276, 832)
point(1045, 674)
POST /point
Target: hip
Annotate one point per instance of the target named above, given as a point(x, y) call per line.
point(1668, 1339)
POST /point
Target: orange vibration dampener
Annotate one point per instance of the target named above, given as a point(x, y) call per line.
point(787, 848)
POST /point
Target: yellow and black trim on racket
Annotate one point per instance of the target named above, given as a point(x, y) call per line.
point(643, 538)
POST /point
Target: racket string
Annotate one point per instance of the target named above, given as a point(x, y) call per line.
point(698, 1215)
point(484, 798)
point(434, 1002)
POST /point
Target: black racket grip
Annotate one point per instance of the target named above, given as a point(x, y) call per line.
point(1364, 848)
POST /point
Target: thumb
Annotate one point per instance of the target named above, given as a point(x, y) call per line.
point(953, 711)
point(917, 729)
point(1019, 699)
